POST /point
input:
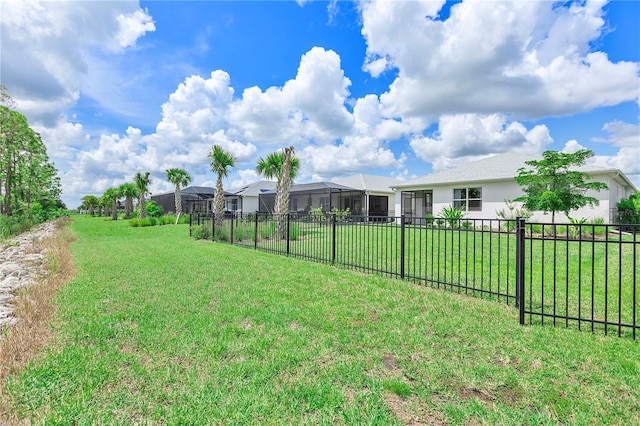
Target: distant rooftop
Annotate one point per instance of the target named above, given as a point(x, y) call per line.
point(497, 167)
point(317, 186)
point(370, 183)
point(253, 189)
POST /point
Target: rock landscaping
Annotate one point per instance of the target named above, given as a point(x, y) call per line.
point(22, 259)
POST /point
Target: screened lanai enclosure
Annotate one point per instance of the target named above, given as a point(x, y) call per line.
point(194, 199)
point(307, 196)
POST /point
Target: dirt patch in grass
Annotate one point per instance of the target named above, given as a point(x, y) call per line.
point(411, 412)
point(34, 310)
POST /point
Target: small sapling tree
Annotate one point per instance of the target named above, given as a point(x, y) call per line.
point(554, 185)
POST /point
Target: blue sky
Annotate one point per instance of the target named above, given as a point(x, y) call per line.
point(390, 88)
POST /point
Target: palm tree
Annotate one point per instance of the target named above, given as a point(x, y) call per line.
point(284, 167)
point(178, 177)
point(129, 191)
point(142, 182)
point(221, 160)
point(111, 197)
point(90, 202)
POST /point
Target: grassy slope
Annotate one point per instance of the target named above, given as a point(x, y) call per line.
point(156, 327)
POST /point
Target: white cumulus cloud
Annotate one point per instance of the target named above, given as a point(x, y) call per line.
point(465, 137)
point(529, 59)
point(45, 44)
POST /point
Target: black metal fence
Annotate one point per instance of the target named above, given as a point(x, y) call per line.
point(584, 275)
point(579, 274)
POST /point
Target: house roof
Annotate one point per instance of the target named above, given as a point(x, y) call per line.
point(193, 192)
point(316, 186)
point(203, 191)
point(253, 189)
point(495, 168)
point(369, 183)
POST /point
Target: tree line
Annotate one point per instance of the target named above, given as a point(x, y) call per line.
point(30, 187)
point(281, 165)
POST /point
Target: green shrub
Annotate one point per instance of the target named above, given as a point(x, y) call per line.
point(166, 219)
point(240, 232)
point(429, 220)
point(222, 234)
point(244, 231)
point(598, 230)
point(576, 229)
point(153, 221)
point(341, 215)
point(14, 225)
point(467, 224)
point(294, 231)
point(200, 232)
point(267, 231)
point(317, 214)
point(153, 209)
point(452, 215)
point(136, 223)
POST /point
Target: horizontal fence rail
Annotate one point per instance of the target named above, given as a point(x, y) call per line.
point(577, 274)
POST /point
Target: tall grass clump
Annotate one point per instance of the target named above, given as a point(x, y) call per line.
point(244, 231)
point(600, 230)
point(222, 234)
point(137, 222)
point(200, 232)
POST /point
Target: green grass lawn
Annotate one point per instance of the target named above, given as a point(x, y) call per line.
point(592, 279)
point(159, 328)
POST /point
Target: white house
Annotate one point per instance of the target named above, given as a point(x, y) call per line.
point(481, 188)
point(379, 195)
point(246, 199)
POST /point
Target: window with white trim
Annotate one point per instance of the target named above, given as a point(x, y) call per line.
point(468, 199)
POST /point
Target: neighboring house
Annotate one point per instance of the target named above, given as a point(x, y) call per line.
point(306, 196)
point(481, 188)
point(194, 199)
point(378, 195)
point(245, 199)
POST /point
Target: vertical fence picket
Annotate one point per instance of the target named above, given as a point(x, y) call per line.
point(520, 264)
point(402, 244)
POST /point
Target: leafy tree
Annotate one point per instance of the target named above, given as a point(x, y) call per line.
point(554, 184)
point(142, 181)
point(26, 174)
point(179, 178)
point(129, 191)
point(283, 166)
point(221, 161)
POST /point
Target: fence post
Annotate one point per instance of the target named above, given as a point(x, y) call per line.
point(333, 238)
point(288, 236)
point(213, 227)
point(255, 234)
point(190, 223)
point(231, 237)
point(520, 265)
point(402, 229)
